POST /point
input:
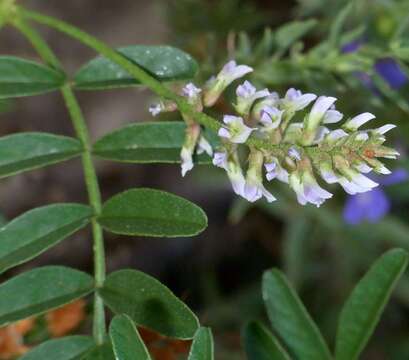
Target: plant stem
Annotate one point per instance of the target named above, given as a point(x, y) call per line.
point(91, 179)
point(94, 195)
point(138, 73)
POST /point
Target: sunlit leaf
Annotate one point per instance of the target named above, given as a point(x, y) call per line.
point(37, 230)
point(364, 307)
point(41, 289)
point(148, 303)
point(26, 151)
point(164, 62)
point(20, 77)
point(150, 212)
point(126, 341)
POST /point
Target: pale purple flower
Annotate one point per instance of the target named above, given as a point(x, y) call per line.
point(155, 109)
point(235, 131)
point(220, 159)
point(295, 100)
point(307, 189)
point(247, 95)
point(319, 110)
point(253, 188)
point(191, 91)
point(216, 85)
point(203, 146)
point(275, 171)
point(270, 118)
point(294, 154)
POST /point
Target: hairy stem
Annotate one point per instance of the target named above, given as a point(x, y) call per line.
point(140, 74)
point(91, 180)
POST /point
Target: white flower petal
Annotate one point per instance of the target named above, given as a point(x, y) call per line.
point(303, 101)
point(329, 176)
point(364, 181)
point(322, 104)
point(246, 90)
point(335, 135)
point(227, 119)
point(191, 91)
point(364, 168)
point(384, 129)
point(242, 136)
point(332, 117)
point(204, 146)
point(357, 121)
point(155, 109)
point(186, 160)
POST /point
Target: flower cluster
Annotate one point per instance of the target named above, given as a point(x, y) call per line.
point(294, 144)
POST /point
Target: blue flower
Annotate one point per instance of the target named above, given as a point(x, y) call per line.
point(387, 68)
point(391, 72)
point(373, 205)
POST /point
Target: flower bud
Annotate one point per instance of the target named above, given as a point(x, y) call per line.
point(215, 86)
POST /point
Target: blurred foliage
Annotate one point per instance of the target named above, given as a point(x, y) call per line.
point(331, 50)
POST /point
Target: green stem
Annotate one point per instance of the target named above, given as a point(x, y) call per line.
point(139, 74)
point(91, 180)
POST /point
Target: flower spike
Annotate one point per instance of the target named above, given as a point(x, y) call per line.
point(294, 152)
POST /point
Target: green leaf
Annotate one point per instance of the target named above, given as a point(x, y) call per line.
point(163, 62)
point(202, 347)
point(148, 303)
point(289, 33)
point(364, 306)
point(148, 142)
point(20, 77)
point(41, 289)
point(26, 151)
point(67, 348)
point(290, 319)
point(101, 352)
point(149, 212)
point(260, 344)
point(37, 230)
point(338, 25)
point(126, 341)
